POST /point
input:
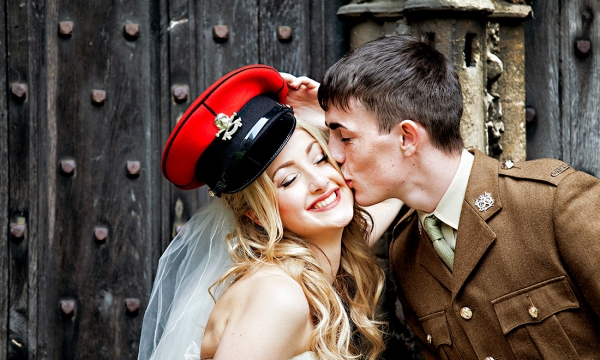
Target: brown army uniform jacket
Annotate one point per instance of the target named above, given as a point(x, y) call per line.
point(526, 279)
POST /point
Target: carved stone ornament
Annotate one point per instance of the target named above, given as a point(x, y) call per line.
point(227, 125)
point(494, 69)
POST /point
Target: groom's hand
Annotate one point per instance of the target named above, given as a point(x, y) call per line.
point(302, 97)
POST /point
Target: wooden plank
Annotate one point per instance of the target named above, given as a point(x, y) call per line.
point(288, 55)
point(581, 85)
point(100, 275)
point(328, 42)
point(38, 187)
point(181, 45)
point(542, 80)
point(4, 195)
point(19, 164)
point(47, 186)
point(241, 47)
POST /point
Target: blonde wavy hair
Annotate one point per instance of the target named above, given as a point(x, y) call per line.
point(339, 310)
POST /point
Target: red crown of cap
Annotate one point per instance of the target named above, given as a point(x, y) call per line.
point(196, 129)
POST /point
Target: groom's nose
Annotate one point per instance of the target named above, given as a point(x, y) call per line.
point(337, 150)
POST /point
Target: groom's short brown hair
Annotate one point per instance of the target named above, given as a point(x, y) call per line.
point(399, 78)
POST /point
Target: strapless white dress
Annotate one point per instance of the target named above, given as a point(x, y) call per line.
point(309, 355)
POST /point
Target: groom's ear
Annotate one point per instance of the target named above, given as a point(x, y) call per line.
point(410, 135)
point(252, 216)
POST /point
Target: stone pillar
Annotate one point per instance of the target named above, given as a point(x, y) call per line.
point(485, 41)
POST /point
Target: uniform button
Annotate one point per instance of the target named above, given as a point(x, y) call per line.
point(488, 358)
point(466, 313)
point(429, 338)
point(533, 312)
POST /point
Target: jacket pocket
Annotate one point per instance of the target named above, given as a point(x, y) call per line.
point(531, 320)
point(534, 304)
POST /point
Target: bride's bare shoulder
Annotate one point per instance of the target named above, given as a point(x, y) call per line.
point(267, 289)
point(269, 285)
point(264, 304)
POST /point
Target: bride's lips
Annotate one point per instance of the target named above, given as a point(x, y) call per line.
point(323, 197)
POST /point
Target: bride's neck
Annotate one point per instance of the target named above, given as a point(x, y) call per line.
point(328, 251)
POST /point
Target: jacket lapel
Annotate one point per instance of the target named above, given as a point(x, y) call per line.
point(474, 236)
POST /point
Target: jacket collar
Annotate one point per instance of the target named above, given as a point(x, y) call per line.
point(474, 236)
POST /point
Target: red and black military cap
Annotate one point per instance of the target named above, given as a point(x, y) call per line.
point(231, 132)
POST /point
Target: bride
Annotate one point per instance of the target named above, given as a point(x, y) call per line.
point(282, 246)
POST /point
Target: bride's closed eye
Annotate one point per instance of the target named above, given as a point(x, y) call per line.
point(321, 158)
point(288, 180)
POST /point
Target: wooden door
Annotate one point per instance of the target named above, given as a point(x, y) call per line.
point(92, 91)
point(562, 52)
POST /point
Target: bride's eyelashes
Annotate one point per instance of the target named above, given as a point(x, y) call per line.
point(288, 181)
point(322, 158)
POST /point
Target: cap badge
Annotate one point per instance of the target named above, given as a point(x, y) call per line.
point(227, 125)
point(484, 201)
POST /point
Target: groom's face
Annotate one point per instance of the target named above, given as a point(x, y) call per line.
point(368, 157)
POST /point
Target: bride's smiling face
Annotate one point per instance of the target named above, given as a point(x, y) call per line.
point(314, 200)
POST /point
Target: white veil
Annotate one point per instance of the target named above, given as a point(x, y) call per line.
point(180, 304)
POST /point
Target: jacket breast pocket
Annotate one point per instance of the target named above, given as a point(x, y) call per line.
point(530, 319)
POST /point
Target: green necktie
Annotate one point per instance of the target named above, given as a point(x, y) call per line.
point(432, 228)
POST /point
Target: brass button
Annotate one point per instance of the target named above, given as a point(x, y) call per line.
point(533, 312)
point(466, 313)
point(429, 338)
point(488, 358)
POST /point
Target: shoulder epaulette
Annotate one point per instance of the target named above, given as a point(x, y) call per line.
point(547, 170)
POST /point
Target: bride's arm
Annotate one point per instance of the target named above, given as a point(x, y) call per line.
point(270, 320)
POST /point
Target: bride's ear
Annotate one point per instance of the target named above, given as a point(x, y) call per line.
point(252, 216)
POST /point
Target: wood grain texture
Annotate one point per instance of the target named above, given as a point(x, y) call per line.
point(290, 55)
point(37, 189)
point(328, 37)
point(4, 194)
point(581, 85)
point(542, 80)
point(180, 37)
point(242, 46)
point(47, 185)
point(21, 165)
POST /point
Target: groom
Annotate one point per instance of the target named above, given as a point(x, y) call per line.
point(494, 260)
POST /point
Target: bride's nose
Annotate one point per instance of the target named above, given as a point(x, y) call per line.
point(317, 182)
